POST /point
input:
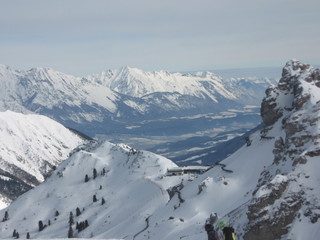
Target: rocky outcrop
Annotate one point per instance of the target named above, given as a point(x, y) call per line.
point(293, 87)
point(291, 113)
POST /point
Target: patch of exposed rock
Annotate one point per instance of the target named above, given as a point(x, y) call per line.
point(291, 114)
point(291, 93)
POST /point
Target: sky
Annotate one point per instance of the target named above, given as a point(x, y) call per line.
point(82, 37)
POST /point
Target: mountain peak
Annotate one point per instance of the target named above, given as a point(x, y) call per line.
point(295, 67)
point(299, 85)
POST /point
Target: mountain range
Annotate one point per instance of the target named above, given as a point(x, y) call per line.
point(127, 104)
point(268, 189)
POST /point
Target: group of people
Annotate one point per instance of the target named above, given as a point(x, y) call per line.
point(223, 231)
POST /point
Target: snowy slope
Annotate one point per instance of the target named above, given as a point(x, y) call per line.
point(43, 89)
point(268, 189)
point(127, 180)
point(31, 145)
point(135, 190)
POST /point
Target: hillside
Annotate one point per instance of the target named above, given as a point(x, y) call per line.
point(268, 189)
point(31, 146)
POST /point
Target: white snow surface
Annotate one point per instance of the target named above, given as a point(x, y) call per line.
point(134, 188)
point(138, 83)
point(137, 205)
point(45, 86)
point(33, 143)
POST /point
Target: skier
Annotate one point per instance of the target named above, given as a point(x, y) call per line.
point(228, 231)
point(212, 235)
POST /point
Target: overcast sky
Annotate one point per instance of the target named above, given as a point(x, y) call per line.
point(82, 37)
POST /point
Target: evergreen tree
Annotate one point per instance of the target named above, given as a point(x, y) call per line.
point(6, 216)
point(49, 222)
point(40, 224)
point(100, 187)
point(94, 198)
point(71, 221)
point(28, 235)
point(78, 212)
point(86, 178)
point(56, 213)
point(94, 173)
point(70, 232)
point(17, 235)
point(102, 201)
point(77, 226)
point(82, 225)
point(14, 234)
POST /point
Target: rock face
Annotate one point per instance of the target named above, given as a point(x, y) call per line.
point(284, 196)
point(294, 90)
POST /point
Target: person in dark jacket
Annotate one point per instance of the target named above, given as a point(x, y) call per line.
point(228, 233)
point(210, 232)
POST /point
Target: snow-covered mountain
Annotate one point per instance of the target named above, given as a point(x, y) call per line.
point(31, 146)
point(116, 98)
point(128, 104)
point(268, 189)
point(202, 85)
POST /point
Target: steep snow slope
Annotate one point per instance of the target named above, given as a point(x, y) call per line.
point(31, 145)
point(43, 89)
point(127, 180)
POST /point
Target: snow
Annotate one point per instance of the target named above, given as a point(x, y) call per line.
point(32, 144)
point(138, 83)
point(34, 138)
point(136, 188)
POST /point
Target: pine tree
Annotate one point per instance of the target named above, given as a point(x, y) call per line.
point(70, 232)
point(14, 234)
point(6, 216)
point(49, 222)
point(102, 201)
point(86, 178)
point(40, 224)
point(56, 213)
point(17, 235)
point(28, 235)
point(71, 221)
point(77, 226)
point(94, 173)
point(94, 198)
point(78, 212)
